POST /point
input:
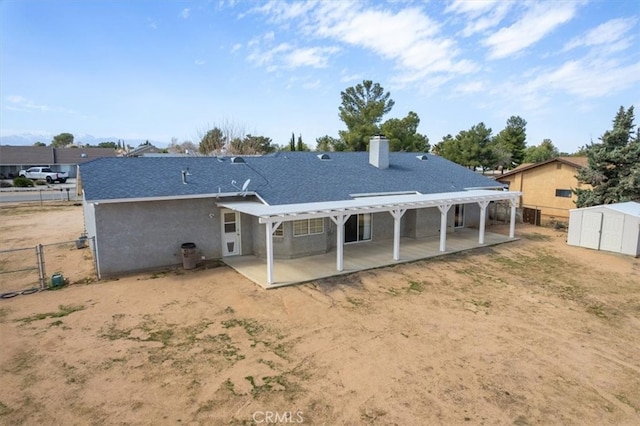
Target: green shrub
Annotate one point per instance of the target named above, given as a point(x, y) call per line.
point(22, 182)
point(40, 182)
point(5, 184)
point(560, 225)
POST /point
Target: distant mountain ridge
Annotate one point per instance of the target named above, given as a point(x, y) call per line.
point(28, 139)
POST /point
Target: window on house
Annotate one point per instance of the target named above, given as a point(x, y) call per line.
point(566, 193)
point(308, 226)
point(559, 166)
point(279, 232)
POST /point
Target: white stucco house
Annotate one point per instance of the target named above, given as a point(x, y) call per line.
point(281, 206)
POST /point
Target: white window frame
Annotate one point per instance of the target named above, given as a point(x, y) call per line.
point(279, 231)
point(309, 227)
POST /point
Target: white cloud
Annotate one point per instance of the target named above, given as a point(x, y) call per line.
point(280, 12)
point(20, 103)
point(481, 15)
point(199, 62)
point(471, 8)
point(152, 24)
point(285, 55)
point(186, 12)
point(539, 20)
point(584, 79)
point(268, 56)
point(470, 87)
point(348, 78)
point(610, 32)
point(409, 38)
point(316, 57)
point(590, 79)
point(236, 47)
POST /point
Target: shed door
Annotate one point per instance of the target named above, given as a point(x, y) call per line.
point(230, 232)
point(612, 228)
point(590, 232)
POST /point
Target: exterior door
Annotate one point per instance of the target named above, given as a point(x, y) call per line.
point(590, 232)
point(531, 216)
point(357, 228)
point(612, 228)
point(230, 233)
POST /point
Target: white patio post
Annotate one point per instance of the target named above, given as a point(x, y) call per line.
point(444, 209)
point(397, 216)
point(339, 220)
point(512, 222)
point(483, 218)
point(270, 227)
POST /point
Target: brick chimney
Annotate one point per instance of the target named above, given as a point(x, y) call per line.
point(379, 152)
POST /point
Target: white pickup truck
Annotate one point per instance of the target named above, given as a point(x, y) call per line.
point(44, 173)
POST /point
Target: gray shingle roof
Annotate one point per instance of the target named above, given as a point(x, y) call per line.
point(47, 156)
point(81, 155)
point(282, 178)
point(26, 155)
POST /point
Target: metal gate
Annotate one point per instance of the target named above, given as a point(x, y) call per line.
point(531, 216)
point(30, 269)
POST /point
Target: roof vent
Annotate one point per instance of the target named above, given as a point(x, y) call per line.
point(324, 156)
point(422, 157)
point(237, 160)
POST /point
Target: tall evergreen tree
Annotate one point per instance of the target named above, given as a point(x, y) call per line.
point(470, 148)
point(62, 140)
point(292, 142)
point(614, 165)
point(212, 141)
point(328, 143)
point(361, 111)
point(449, 148)
point(403, 134)
point(513, 139)
point(543, 152)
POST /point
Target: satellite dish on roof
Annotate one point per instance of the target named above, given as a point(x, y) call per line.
point(245, 185)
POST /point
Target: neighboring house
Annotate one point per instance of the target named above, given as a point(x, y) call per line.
point(547, 188)
point(15, 158)
point(283, 205)
point(609, 227)
point(143, 150)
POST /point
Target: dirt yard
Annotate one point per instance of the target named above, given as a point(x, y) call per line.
point(529, 332)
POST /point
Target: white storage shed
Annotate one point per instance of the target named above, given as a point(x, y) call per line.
point(609, 227)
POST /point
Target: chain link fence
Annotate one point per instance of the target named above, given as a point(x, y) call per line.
point(30, 269)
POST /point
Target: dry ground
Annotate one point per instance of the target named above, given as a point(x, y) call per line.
point(529, 332)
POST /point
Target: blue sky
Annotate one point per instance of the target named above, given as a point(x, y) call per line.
point(161, 69)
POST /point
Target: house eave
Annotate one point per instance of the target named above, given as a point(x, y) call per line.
point(173, 197)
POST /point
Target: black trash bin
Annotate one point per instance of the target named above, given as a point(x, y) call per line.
point(189, 258)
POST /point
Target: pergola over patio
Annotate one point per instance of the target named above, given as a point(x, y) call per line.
point(396, 205)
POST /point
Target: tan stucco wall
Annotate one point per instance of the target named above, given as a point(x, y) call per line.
point(538, 186)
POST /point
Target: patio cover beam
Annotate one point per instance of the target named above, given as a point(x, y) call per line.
point(267, 213)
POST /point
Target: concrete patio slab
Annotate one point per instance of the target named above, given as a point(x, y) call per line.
point(357, 257)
